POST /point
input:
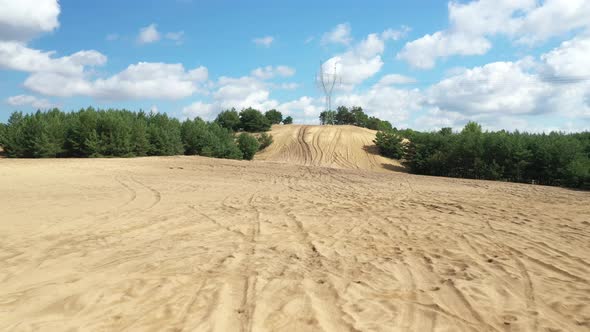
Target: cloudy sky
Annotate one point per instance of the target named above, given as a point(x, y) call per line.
point(512, 64)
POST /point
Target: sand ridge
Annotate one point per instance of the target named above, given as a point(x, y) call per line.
point(343, 147)
point(199, 244)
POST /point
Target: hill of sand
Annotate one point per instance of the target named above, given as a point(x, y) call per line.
point(342, 147)
point(199, 244)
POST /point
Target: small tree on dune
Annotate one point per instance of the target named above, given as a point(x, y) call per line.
point(274, 116)
point(253, 121)
point(249, 145)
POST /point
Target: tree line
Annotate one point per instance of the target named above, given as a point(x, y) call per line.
point(355, 117)
point(121, 133)
point(557, 159)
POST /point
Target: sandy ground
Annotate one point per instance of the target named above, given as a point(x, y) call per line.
point(343, 147)
point(198, 244)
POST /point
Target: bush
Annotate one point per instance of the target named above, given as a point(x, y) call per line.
point(229, 119)
point(265, 140)
point(274, 116)
point(288, 120)
point(253, 121)
point(249, 145)
point(389, 144)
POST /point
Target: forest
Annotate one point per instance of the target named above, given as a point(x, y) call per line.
point(556, 159)
point(121, 133)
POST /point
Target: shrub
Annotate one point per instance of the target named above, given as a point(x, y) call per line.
point(288, 120)
point(229, 119)
point(265, 140)
point(389, 144)
point(249, 145)
point(274, 116)
point(253, 121)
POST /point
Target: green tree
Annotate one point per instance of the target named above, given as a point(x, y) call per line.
point(164, 135)
point(248, 144)
point(359, 118)
point(343, 116)
point(328, 118)
point(253, 120)
point(389, 144)
point(274, 116)
point(229, 119)
point(288, 120)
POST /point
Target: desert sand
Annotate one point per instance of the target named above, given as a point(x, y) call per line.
point(338, 243)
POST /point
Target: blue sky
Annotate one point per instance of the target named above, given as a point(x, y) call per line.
point(513, 64)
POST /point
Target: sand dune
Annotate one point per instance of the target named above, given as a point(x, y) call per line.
point(198, 244)
point(347, 147)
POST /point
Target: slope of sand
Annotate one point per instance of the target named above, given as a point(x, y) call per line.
point(198, 244)
point(345, 147)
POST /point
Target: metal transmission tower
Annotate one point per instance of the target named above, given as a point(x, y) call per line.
point(326, 81)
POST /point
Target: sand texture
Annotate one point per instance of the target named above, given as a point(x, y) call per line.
point(343, 147)
point(199, 244)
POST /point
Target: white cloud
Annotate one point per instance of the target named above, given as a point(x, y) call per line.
point(264, 41)
point(356, 65)
point(384, 102)
point(553, 18)
point(524, 21)
point(286, 86)
point(435, 119)
point(149, 34)
point(175, 36)
point(200, 109)
point(154, 109)
point(340, 34)
point(28, 100)
point(499, 87)
point(392, 79)
point(499, 92)
point(17, 56)
point(20, 20)
point(570, 60)
point(243, 92)
point(391, 34)
point(268, 72)
point(422, 53)
point(142, 80)
point(306, 109)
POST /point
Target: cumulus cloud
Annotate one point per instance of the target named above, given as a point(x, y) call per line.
point(472, 23)
point(270, 72)
point(142, 80)
point(23, 19)
point(149, 34)
point(264, 41)
point(393, 34)
point(498, 93)
point(28, 100)
point(571, 60)
point(422, 53)
point(200, 109)
point(499, 87)
point(17, 56)
point(357, 64)
point(384, 102)
point(392, 79)
point(340, 34)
